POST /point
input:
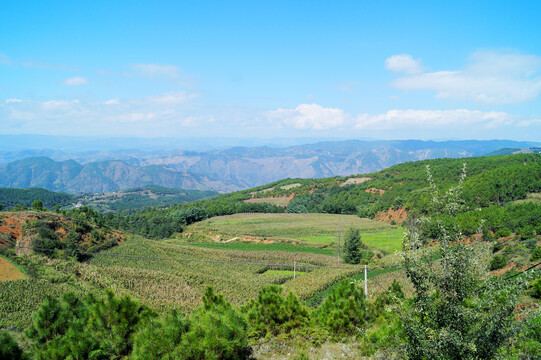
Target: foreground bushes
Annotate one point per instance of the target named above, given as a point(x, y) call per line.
point(111, 327)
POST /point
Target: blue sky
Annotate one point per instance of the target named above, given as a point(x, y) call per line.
point(347, 69)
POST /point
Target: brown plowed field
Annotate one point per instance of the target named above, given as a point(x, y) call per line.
point(9, 272)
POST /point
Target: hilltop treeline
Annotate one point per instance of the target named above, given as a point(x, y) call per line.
point(10, 197)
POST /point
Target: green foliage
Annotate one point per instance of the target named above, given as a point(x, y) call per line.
point(498, 262)
point(157, 339)
point(344, 310)
point(527, 232)
point(536, 289)
point(37, 205)
point(456, 313)
point(273, 313)
point(536, 254)
point(213, 331)
point(216, 332)
point(353, 246)
point(98, 328)
point(25, 197)
point(46, 238)
point(9, 349)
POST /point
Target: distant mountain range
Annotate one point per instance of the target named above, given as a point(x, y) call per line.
point(231, 169)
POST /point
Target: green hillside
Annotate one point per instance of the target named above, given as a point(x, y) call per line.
point(490, 181)
point(10, 197)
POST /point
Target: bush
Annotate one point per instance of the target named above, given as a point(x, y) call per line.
point(344, 310)
point(498, 262)
point(526, 232)
point(272, 313)
point(9, 349)
point(503, 232)
point(216, 332)
point(536, 255)
point(536, 289)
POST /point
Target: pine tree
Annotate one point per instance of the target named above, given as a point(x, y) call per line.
point(353, 246)
point(9, 349)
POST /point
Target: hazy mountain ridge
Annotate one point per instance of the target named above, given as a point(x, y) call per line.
point(234, 168)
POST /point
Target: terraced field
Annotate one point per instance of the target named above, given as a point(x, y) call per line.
point(310, 228)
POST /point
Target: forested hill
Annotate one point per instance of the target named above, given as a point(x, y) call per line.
point(490, 182)
point(126, 200)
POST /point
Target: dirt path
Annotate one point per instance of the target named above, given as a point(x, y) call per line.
point(8, 271)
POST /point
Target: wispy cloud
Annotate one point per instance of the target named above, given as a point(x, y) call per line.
point(171, 98)
point(115, 101)
point(75, 81)
point(491, 77)
point(9, 101)
point(394, 119)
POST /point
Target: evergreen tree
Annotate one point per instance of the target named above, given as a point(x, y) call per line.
point(353, 246)
point(37, 205)
point(9, 349)
point(343, 311)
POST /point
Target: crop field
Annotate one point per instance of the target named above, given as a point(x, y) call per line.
point(316, 228)
point(8, 271)
point(253, 246)
point(146, 271)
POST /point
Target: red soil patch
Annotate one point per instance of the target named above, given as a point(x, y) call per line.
point(389, 215)
point(8, 271)
point(374, 190)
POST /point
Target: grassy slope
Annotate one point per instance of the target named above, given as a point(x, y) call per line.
point(317, 228)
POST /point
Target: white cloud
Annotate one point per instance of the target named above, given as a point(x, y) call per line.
point(156, 71)
point(132, 117)
point(112, 102)
point(75, 81)
point(404, 63)
point(171, 98)
point(9, 101)
point(394, 119)
point(491, 77)
point(526, 123)
point(309, 116)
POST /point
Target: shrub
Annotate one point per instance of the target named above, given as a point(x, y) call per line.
point(272, 313)
point(536, 289)
point(536, 255)
point(9, 349)
point(344, 310)
point(216, 332)
point(498, 262)
point(503, 232)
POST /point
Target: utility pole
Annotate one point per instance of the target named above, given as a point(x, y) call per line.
point(294, 268)
point(365, 283)
point(339, 236)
